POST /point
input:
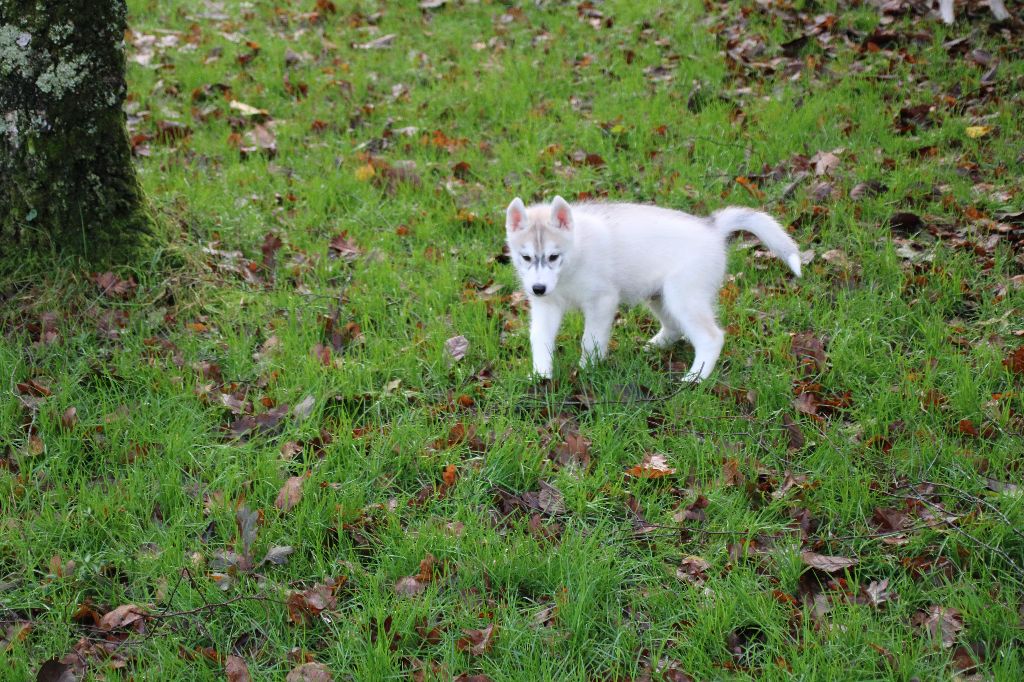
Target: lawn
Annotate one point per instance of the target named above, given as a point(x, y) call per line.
point(266, 450)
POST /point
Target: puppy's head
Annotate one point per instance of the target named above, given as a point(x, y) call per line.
point(540, 241)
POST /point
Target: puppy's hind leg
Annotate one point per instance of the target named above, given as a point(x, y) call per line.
point(669, 332)
point(598, 316)
point(946, 11)
point(696, 317)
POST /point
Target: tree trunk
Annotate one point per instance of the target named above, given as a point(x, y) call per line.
point(67, 183)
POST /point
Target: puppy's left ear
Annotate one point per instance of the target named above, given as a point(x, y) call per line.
point(515, 216)
point(561, 214)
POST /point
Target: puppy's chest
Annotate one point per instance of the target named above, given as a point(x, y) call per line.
point(626, 288)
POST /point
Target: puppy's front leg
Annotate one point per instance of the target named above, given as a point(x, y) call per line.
point(545, 319)
point(598, 316)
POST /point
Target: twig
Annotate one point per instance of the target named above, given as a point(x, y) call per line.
point(981, 543)
point(209, 606)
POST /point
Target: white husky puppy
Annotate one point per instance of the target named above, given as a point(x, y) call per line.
point(997, 7)
point(595, 256)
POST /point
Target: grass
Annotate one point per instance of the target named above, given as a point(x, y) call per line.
point(141, 492)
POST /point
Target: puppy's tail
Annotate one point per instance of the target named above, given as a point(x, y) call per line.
point(762, 226)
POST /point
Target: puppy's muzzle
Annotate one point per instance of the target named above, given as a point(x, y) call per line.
point(539, 289)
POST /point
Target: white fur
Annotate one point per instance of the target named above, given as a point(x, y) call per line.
point(997, 7)
point(607, 254)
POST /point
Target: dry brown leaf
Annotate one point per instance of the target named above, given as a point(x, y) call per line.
point(124, 617)
point(478, 642)
point(651, 466)
point(236, 669)
point(941, 622)
point(290, 493)
point(809, 350)
point(457, 347)
point(310, 672)
point(829, 564)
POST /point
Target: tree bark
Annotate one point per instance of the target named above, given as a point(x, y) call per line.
point(67, 183)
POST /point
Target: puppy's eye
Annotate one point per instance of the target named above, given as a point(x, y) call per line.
point(553, 257)
point(527, 259)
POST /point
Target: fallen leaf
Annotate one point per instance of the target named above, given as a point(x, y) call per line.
point(875, 593)
point(998, 486)
point(477, 642)
point(247, 110)
point(113, 286)
point(906, 223)
point(310, 672)
point(693, 569)
point(410, 586)
point(31, 387)
point(290, 493)
point(824, 163)
point(449, 476)
point(828, 564)
point(376, 44)
point(796, 436)
point(870, 188)
point(304, 408)
point(574, 453)
point(550, 498)
point(306, 605)
point(14, 632)
point(343, 247)
point(809, 351)
point(457, 347)
point(651, 466)
point(236, 669)
point(56, 671)
point(940, 622)
point(124, 617)
point(1014, 360)
point(259, 139)
point(974, 132)
point(277, 555)
point(247, 522)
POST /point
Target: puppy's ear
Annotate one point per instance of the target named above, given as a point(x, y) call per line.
point(515, 216)
point(561, 214)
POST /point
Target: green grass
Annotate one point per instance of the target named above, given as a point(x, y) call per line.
point(141, 492)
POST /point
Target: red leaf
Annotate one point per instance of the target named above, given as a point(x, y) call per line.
point(33, 388)
point(1014, 360)
point(343, 247)
point(307, 605)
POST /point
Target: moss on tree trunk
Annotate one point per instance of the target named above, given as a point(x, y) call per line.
point(67, 183)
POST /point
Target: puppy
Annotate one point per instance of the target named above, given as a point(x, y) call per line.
point(594, 256)
point(997, 7)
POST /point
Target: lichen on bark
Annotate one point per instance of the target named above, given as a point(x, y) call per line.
point(67, 182)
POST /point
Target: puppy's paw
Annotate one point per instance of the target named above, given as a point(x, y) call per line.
point(660, 341)
point(692, 377)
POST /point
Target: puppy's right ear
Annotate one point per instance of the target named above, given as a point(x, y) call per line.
point(515, 216)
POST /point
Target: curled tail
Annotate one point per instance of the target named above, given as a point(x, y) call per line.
point(765, 228)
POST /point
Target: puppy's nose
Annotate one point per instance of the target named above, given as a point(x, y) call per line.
point(539, 289)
